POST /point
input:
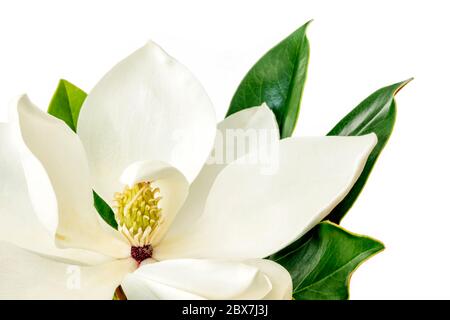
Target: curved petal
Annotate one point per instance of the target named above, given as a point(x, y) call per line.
point(148, 107)
point(61, 153)
point(19, 223)
point(172, 184)
point(208, 279)
point(138, 289)
point(235, 137)
point(40, 190)
point(251, 214)
point(279, 278)
point(25, 275)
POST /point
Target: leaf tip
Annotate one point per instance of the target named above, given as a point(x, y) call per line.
point(63, 82)
point(381, 246)
point(402, 84)
point(306, 24)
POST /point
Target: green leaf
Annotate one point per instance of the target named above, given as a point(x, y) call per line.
point(375, 114)
point(105, 211)
point(66, 105)
point(322, 262)
point(277, 79)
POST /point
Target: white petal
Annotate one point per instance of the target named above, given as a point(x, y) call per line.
point(25, 275)
point(252, 214)
point(233, 131)
point(19, 223)
point(61, 153)
point(148, 107)
point(40, 189)
point(208, 279)
point(172, 184)
point(136, 288)
point(279, 278)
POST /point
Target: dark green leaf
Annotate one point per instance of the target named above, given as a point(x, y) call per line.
point(322, 262)
point(375, 114)
point(105, 211)
point(277, 79)
point(66, 105)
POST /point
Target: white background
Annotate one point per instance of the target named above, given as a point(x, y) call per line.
point(356, 48)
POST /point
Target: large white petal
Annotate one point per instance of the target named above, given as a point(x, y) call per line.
point(136, 288)
point(190, 278)
point(19, 223)
point(40, 189)
point(173, 188)
point(148, 107)
point(279, 278)
point(61, 153)
point(252, 214)
point(235, 138)
point(25, 275)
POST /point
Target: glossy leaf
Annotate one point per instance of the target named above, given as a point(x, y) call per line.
point(277, 79)
point(105, 211)
point(375, 114)
point(66, 105)
point(322, 262)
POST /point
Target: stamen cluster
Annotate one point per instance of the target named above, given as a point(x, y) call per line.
point(138, 215)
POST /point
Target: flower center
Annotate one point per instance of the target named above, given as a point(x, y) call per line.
point(139, 217)
point(141, 253)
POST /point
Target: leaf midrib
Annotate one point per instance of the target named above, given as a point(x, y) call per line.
point(334, 272)
point(293, 79)
point(294, 250)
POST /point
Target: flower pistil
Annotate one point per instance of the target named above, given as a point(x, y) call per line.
point(138, 217)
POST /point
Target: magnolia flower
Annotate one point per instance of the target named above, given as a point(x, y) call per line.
point(186, 229)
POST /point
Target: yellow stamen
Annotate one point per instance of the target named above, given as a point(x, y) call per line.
point(138, 214)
